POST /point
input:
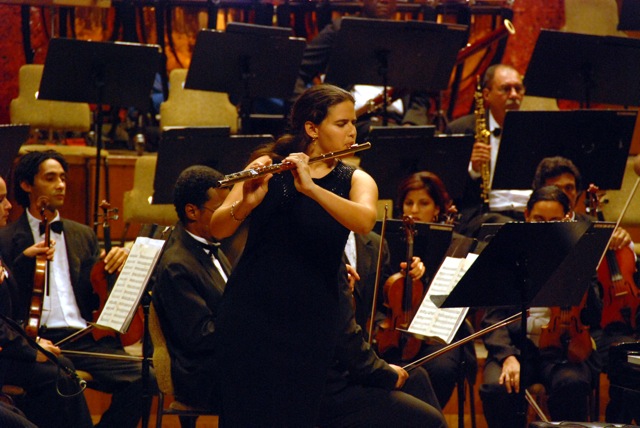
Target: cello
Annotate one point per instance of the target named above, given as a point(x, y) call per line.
point(40, 277)
point(621, 295)
point(102, 283)
point(402, 296)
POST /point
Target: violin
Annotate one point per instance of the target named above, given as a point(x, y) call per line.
point(102, 283)
point(621, 295)
point(40, 278)
point(402, 297)
point(566, 332)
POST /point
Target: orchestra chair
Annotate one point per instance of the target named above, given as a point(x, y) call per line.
point(136, 205)
point(42, 114)
point(162, 365)
point(189, 107)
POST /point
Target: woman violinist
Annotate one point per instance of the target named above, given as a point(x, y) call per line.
point(568, 383)
point(276, 322)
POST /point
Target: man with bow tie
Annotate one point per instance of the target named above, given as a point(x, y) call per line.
point(40, 183)
point(502, 90)
point(189, 281)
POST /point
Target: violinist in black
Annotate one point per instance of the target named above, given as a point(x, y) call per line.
point(24, 366)
point(568, 383)
point(43, 176)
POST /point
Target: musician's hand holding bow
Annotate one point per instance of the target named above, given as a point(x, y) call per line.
point(402, 375)
point(114, 261)
point(619, 239)
point(510, 376)
point(47, 345)
point(40, 249)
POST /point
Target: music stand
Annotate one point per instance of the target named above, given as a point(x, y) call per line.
point(211, 146)
point(412, 55)
point(629, 16)
point(585, 68)
point(597, 141)
point(532, 264)
point(11, 138)
point(112, 73)
point(397, 152)
point(248, 61)
point(430, 243)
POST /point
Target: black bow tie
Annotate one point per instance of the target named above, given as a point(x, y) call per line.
point(210, 248)
point(55, 226)
point(496, 132)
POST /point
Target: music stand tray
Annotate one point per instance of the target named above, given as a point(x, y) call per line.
point(182, 147)
point(413, 55)
point(597, 141)
point(113, 73)
point(585, 68)
point(397, 152)
point(11, 137)
point(430, 243)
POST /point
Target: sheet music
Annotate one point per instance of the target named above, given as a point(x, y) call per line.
point(126, 294)
point(443, 323)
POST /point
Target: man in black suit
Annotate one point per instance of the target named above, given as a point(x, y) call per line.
point(502, 90)
point(40, 185)
point(190, 279)
point(23, 365)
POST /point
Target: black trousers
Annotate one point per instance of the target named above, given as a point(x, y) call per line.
point(122, 379)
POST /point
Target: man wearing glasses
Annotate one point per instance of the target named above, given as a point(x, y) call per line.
point(502, 90)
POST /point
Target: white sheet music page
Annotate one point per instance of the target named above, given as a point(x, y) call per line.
point(124, 298)
point(442, 323)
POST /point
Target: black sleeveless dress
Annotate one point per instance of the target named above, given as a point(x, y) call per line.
point(276, 322)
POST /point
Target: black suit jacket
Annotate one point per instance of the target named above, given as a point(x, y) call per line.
point(186, 294)
point(83, 251)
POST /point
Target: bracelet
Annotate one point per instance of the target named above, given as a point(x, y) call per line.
point(233, 216)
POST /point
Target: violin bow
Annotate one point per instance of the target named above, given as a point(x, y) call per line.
point(378, 274)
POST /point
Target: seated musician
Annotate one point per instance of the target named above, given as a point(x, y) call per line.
point(41, 180)
point(623, 407)
point(424, 197)
point(410, 109)
point(502, 90)
point(568, 383)
point(24, 366)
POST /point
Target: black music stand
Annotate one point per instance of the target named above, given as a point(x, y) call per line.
point(629, 16)
point(412, 55)
point(532, 264)
point(397, 152)
point(248, 61)
point(585, 68)
point(211, 146)
point(430, 243)
point(597, 141)
point(11, 138)
point(112, 73)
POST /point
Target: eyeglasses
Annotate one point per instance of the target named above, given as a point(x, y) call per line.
point(506, 89)
point(207, 208)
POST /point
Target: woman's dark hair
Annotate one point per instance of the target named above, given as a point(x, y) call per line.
point(27, 169)
point(549, 193)
point(192, 187)
point(431, 183)
point(312, 106)
point(553, 167)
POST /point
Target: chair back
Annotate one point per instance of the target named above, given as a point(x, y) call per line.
point(161, 357)
point(136, 207)
point(189, 107)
